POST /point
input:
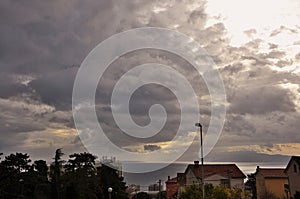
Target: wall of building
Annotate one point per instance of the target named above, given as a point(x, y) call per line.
point(191, 178)
point(237, 182)
point(260, 185)
point(171, 189)
point(276, 186)
point(214, 179)
point(294, 178)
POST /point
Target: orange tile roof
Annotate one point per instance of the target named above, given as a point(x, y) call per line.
point(272, 172)
point(226, 170)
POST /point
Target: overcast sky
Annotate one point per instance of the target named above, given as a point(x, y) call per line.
point(255, 45)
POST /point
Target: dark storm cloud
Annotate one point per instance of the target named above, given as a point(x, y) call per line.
point(262, 100)
point(151, 147)
point(55, 88)
point(10, 87)
point(37, 37)
point(44, 40)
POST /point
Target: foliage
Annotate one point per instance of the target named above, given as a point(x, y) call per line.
point(78, 178)
point(251, 184)
point(55, 173)
point(141, 195)
point(217, 192)
point(110, 178)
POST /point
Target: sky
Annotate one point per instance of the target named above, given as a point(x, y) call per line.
point(254, 44)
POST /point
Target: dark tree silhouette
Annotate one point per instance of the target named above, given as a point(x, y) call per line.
point(80, 176)
point(55, 174)
point(251, 183)
point(109, 177)
point(77, 179)
point(15, 168)
point(141, 195)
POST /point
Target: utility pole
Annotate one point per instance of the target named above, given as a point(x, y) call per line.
point(202, 165)
point(159, 189)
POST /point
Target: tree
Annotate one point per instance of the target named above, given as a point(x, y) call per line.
point(55, 174)
point(141, 195)
point(39, 179)
point(191, 192)
point(109, 177)
point(83, 163)
point(220, 192)
point(251, 184)
point(18, 162)
point(15, 168)
point(195, 191)
point(41, 168)
point(80, 176)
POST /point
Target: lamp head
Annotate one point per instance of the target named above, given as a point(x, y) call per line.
point(198, 125)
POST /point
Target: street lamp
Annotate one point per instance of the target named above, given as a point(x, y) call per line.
point(109, 192)
point(202, 168)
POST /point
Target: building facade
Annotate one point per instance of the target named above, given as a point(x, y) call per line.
point(270, 182)
point(293, 172)
point(216, 174)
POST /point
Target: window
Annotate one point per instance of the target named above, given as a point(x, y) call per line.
point(295, 168)
point(225, 182)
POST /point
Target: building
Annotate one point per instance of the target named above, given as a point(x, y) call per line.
point(293, 172)
point(154, 187)
point(270, 181)
point(227, 174)
point(171, 186)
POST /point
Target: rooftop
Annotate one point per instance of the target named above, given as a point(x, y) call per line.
point(271, 172)
point(227, 170)
point(293, 158)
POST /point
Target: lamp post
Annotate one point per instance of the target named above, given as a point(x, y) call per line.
point(202, 167)
point(109, 192)
point(21, 181)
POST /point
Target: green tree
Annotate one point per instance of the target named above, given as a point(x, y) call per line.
point(191, 192)
point(195, 191)
point(220, 192)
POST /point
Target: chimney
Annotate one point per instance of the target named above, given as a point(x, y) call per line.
point(196, 163)
point(168, 177)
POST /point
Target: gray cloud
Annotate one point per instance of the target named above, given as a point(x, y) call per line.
point(43, 43)
point(250, 32)
point(151, 147)
point(262, 100)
